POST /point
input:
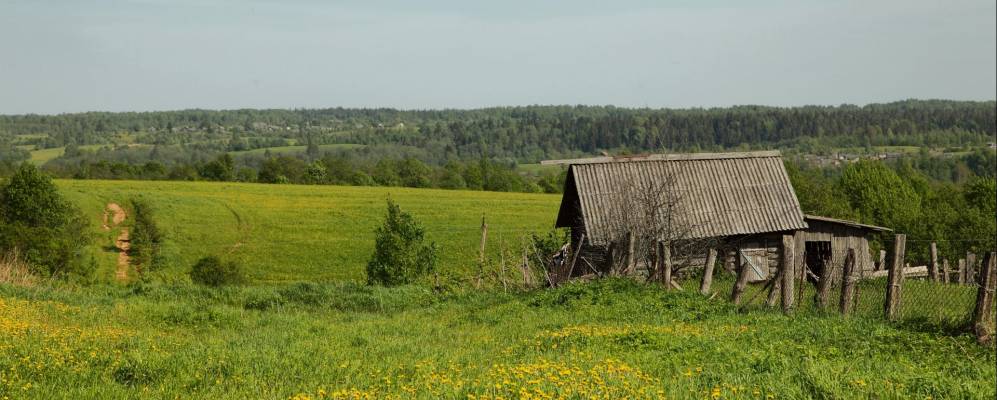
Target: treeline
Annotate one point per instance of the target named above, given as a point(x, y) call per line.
point(327, 169)
point(529, 134)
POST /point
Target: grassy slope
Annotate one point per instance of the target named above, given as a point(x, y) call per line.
point(607, 340)
point(290, 233)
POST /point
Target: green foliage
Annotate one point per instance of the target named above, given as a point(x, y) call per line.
point(879, 195)
point(146, 238)
point(212, 271)
point(36, 221)
point(400, 252)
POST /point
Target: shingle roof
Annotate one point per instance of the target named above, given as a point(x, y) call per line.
point(718, 194)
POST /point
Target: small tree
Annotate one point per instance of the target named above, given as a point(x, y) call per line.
point(400, 252)
point(145, 236)
point(211, 271)
point(35, 220)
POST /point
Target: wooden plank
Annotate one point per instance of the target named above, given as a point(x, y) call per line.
point(711, 260)
point(848, 284)
point(983, 314)
point(909, 272)
point(896, 278)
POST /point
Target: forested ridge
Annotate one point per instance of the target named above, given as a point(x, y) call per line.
point(530, 133)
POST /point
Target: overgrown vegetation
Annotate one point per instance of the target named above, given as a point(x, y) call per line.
point(401, 252)
point(36, 222)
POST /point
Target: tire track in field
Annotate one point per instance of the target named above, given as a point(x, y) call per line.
point(245, 230)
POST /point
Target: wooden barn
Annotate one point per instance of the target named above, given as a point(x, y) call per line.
point(743, 203)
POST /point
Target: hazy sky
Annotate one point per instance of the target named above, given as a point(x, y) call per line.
point(161, 55)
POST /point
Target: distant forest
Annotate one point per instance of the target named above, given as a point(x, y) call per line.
point(476, 149)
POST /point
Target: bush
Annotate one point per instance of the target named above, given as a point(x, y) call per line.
point(211, 271)
point(400, 254)
point(35, 220)
point(145, 238)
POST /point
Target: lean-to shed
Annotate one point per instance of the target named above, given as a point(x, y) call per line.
point(743, 201)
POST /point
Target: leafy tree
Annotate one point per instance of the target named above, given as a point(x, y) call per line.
point(221, 169)
point(880, 196)
point(37, 221)
point(401, 253)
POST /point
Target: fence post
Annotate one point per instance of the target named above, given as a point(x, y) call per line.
point(970, 268)
point(882, 260)
point(742, 281)
point(788, 272)
point(665, 249)
point(983, 314)
point(824, 286)
point(527, 282)
point(896, 278)
point(481, 251)
point(933, 265)
point(631, 242)
point(848, 284)
point(945, 270)
point(774, 292)
point(711, 259)
point(962, 271)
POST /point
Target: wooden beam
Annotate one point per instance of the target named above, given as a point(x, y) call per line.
point(788, 272)
point(933, 265)
point(664, 157)
point(742, 281)
point(665, 249)
point(848, 284)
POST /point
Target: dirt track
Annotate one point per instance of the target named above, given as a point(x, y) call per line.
point(117, 216)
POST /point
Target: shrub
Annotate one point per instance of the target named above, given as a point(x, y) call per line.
point(211, 271)
point(51, 234)
point(145, 237)
point(400, 252)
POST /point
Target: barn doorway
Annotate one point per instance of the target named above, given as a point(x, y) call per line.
point(818, 255)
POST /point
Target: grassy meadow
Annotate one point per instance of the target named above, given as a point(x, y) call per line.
point(283, 233)
point(604, 340)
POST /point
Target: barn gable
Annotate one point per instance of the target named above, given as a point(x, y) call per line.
point(718, 194)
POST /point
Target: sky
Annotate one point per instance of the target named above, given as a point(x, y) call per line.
point(76, 56)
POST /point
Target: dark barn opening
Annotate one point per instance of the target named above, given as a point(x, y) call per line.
point(818, 254)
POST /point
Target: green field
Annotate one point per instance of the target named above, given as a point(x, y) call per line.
point(602, 340)
point(286, 233)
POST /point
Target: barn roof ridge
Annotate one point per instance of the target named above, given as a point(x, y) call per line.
point(665, 157)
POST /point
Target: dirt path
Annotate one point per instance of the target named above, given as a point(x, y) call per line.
point(117, 216)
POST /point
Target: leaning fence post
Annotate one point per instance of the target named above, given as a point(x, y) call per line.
point(742, 281)
point(933, 265)
point(848, 284)
point(711, 259)
point(788, 272)
point(983, 314)
point(775, 291)
point(896, 278)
